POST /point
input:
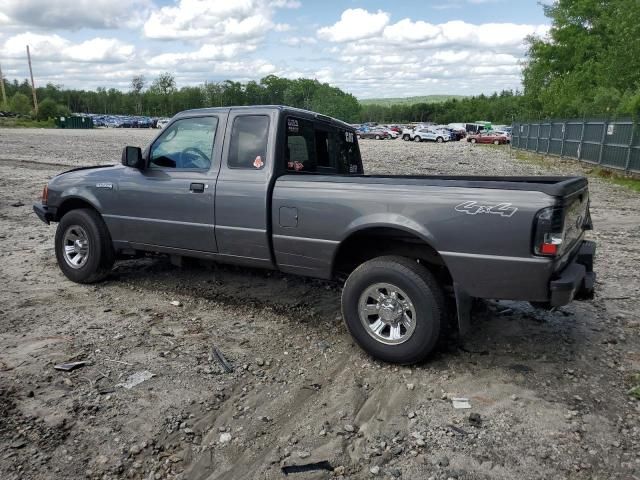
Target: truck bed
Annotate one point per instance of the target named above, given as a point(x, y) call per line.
point(554, 186)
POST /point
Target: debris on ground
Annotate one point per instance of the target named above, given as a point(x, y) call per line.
point(69, 366)
point(475, 420)
point(309, 467)
point(460, 403)
point(136, 379)
point(217, 355)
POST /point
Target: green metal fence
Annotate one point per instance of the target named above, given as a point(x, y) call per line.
point(609, 143)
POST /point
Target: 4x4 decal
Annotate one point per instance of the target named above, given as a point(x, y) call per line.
point(473, 208)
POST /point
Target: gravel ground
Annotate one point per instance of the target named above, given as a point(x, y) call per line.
point(548, 390)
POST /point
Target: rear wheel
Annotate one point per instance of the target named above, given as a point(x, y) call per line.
point(83, 246)
point(496, 142)
point(417, 139)
point(473, 140)
point(377, 137)
point(439, 139)
point(406, 137)
point(394, 308)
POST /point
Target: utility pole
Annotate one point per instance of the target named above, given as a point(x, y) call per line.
point(33, 85)
point(4, 94)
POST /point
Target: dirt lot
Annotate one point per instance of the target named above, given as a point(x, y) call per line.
point(550, 388)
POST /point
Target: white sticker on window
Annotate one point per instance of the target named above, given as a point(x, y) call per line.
point(292, 125)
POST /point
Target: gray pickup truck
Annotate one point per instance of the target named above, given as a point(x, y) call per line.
point(284, 189)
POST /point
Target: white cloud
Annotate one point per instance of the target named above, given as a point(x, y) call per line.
point(204, 19)
point(285, 3)
point(50, 48)
point(74, 14)
point(409, 55)
point(299, 41)
point(282, 27)
point(355, 24)
point(207, 52)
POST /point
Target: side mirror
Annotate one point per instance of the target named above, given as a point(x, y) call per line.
point(132, 157)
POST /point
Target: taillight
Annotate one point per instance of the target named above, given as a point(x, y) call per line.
point(549, 234)
point(45, 194)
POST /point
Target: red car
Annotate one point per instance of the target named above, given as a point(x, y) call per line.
point(487, 137)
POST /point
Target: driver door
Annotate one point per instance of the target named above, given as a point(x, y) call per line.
point(171, 202)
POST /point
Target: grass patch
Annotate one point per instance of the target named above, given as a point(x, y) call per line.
point(26, 123)
point(602, 173)
point(635, 391)
point(629, 182)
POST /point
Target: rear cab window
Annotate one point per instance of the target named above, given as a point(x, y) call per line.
point(315, 147)
point(248, 146)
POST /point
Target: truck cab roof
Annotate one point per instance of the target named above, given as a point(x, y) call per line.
point(299, 112)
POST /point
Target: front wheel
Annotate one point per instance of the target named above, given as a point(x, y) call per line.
point(417, 139)
point(394, 309)
point(473, 140)
point(496, 142)
point(406, 137)
point(83, 246)
point(439, 139)
point(377, 137)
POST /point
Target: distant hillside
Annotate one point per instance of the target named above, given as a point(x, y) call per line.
point(409, 100)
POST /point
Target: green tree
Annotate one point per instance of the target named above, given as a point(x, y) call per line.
point(587, 61)
point(20, 103)
point(47, 109)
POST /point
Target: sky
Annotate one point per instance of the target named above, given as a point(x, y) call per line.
point(372, 49)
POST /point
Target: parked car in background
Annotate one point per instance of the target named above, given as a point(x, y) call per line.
point(503, 132)
point(392, 133)
point(430, 134)
point(454, 135)
point(162, 122)
point(375, 133)
point(488, 137)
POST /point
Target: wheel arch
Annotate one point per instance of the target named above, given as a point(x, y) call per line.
point(376, 238)
point(73, 203)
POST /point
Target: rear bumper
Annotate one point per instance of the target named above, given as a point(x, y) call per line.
point(577, 279)
point(44, 212)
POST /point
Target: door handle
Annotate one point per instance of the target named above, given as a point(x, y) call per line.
point(197, 187)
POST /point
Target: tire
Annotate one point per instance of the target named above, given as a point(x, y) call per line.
point(87, 226)
point(417, 139)
point(425, 297)
point(439, 139)
point(496, 142)
point(473, 140)
point(406, 137)
point(377, 137)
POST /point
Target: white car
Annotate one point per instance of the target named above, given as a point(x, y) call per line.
point(162, 122)
point(430, 134)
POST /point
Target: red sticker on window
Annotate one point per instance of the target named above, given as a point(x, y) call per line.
point(258, 163)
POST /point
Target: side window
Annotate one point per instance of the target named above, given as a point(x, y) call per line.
point(186, 144)
point(300, 151)
point(248, 146)
point(320, 148)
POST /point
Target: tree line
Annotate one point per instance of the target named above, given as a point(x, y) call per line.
point(162, 98)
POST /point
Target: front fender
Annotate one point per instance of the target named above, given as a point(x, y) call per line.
point(82, 193)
